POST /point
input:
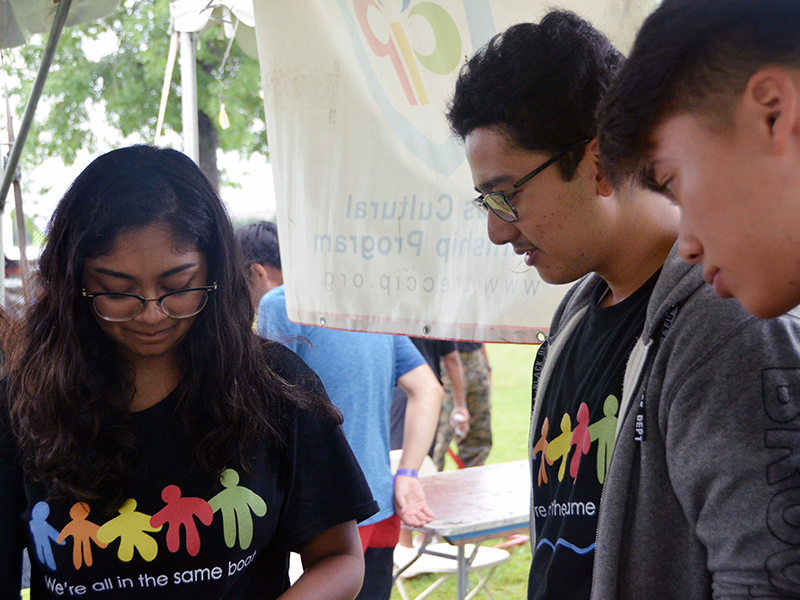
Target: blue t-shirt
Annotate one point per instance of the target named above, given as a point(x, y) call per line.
point(359, 371)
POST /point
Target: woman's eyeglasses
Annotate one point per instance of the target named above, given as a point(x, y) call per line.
point(120, 307)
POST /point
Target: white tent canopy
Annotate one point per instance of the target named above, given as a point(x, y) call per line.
point(22, 18)
point(235, 16)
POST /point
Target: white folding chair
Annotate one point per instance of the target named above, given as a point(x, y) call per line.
point(442, 559)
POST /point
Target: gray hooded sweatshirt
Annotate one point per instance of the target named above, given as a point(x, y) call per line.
point(702, 495)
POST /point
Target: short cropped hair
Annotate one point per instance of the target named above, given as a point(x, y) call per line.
point(691, 57)
point(540, 84)
point(259, 244)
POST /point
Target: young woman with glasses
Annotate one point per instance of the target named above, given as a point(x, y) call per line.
point(151, 445)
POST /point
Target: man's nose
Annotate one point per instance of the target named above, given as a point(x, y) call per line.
point(500, 232)
point(689, 247)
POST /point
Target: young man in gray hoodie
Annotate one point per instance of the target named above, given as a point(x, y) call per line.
point(707, 111)
point(659, 461)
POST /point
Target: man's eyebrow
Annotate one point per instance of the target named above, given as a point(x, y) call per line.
point(493, 183)
point(647, 176)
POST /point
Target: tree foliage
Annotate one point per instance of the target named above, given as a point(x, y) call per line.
point(117, 65)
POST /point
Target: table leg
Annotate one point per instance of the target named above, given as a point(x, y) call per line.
point(462, 585)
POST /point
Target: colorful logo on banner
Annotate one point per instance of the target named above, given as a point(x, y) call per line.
point(409, 52)
point(405, 59)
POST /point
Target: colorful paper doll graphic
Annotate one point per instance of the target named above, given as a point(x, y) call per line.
point(560, 446)
point(83, 533)
point(43, 534)
point(236, 503)
point(604, 432)
point(580, 439)
point(541, 447)
point(181, 512)
point(131, 527)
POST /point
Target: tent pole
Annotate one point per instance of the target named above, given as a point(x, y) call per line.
point(22, 233)
point(36, 92)
point(10, 168)
point(191, 136)
point(162, 109)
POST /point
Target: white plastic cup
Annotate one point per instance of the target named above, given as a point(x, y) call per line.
point(460, 420)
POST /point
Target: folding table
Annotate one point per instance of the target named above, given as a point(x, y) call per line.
point(473, 505)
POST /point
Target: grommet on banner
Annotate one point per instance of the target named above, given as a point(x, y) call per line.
point(322, 321)
point(541, 336)
point(426, 329)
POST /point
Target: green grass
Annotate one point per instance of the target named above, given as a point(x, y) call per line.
point(511, 405)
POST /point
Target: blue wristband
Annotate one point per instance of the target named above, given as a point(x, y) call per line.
point(407, 472)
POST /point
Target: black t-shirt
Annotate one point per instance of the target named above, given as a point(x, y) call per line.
point(573, 440)
point(185, 534)
point(433, 351)
point(468, 346)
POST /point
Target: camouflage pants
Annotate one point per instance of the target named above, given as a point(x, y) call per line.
point(474, 448)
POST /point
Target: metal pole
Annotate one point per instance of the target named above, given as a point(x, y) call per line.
point(36, 92)
point(191, 136)
point(162, 109)
point(21, 231)
point(22, 234)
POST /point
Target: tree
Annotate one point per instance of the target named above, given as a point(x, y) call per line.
point(117, 65)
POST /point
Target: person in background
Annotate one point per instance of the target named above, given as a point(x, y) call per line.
point(658, 456)
point(438, 354)
point(259, 243)
point(707, 112)
point(359, 371)
point(474, 441)
point(151, 445)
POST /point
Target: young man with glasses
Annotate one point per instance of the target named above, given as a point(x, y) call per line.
point(642, 359)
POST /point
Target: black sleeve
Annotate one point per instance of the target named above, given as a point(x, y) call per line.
point(433, 351)
point(326, 485)
point(468, 346)
point(446, 347)
point(12, 502)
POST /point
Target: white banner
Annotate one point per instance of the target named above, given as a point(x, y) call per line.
point(376, 224)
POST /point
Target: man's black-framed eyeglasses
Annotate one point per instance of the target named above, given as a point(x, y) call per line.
point(500, 202)
point(119, 307)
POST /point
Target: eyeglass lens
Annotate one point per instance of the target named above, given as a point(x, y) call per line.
point(499, 205)
point(178, 305)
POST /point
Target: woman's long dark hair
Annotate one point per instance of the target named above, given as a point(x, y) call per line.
point(68, 387)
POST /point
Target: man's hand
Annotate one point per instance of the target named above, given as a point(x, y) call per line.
point(410, 503)
point(459, 421)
